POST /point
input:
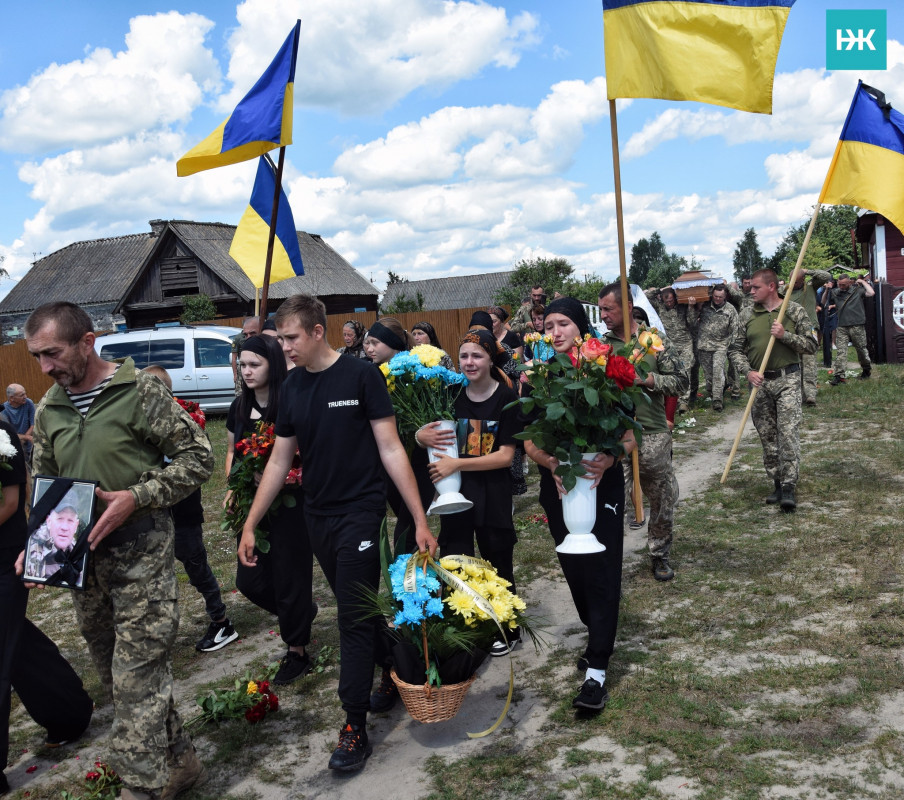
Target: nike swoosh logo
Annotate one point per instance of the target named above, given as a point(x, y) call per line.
point(364, 545)
point(221, 635)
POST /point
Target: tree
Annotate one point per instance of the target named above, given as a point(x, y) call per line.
point(552, 274)
point(748, 257)
point(197, 308)
point(832, 233)
point(652, 265)
point(3, 272)
point(403, 304)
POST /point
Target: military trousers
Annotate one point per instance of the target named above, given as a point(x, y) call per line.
point(776, 414)
point(850, 334)
point(713, 363)
point(685, 351)
point(660, 487)
point(808, 379)
point(129, 616)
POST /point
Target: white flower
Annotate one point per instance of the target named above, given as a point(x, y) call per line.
point(7, 448)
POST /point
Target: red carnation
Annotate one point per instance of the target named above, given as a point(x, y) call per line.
point(274, 702)
point(621, 371)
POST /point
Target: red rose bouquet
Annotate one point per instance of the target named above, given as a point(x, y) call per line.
point(253, 452)
point(248, 698)
point(584, 400)
point(194, 411)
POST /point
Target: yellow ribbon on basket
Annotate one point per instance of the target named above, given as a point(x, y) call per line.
point(409, 583)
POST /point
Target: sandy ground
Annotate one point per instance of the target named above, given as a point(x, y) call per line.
point(400, 743)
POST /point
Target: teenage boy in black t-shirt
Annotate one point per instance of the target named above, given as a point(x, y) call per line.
point(337, 413)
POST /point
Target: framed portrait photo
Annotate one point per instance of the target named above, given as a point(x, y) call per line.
point(53, 554)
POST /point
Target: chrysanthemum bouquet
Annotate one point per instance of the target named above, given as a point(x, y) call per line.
point(585, 399)
point(254, 452)
point(421, 389)
point(448, 613)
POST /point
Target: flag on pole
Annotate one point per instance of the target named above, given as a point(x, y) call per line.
point(262, 121)
point(867, 168)
point(713, 51)
point(249, 245)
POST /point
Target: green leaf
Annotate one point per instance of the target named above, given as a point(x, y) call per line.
point(591, 396)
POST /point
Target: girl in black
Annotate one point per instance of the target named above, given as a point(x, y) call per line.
point(281, 581)
point(385, 338)
point(594, 579)
point(486, 443)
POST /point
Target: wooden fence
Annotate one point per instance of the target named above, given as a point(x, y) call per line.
point(18, 366)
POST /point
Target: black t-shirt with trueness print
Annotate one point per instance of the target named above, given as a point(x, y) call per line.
point(329, 413)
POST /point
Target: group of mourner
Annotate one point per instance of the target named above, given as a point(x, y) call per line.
point(120, 427)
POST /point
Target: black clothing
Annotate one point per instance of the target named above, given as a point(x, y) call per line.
point(48, 687)
point(512, 339)
point(188, 517)
point(594, 579)
point(282, 579)
point(483, 428)
point(329, 413)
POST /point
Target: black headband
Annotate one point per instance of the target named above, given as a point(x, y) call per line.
point(571, 308)
point(379, 331)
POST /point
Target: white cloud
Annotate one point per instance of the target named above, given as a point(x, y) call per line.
point(157, 80)
point(362, 58)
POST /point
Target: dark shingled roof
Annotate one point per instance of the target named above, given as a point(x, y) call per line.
point(103, 270)
point(85, 273)
point(326, 272)
point(461, 291)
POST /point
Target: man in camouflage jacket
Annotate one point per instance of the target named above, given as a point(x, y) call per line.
point(804, 294)
point(680, 332)
point(113, 424)
point(716, 325)
point(667, 376)
point(776, 408)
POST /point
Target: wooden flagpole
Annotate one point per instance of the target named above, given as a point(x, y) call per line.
point(625, 289)
point(272, 235)
point(789, 287)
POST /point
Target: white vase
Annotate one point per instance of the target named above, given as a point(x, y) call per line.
point(450, 500)
point(579, 511)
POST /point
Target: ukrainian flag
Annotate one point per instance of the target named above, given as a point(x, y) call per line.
point(261, 122)
point(249, 245)
point(867, 168)
point(713, 51)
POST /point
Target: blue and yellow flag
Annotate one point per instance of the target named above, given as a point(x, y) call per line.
point(249, 245)
point(713, 51)
point(261, 122)
point(867, 168)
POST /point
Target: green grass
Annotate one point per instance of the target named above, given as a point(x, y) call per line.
point(763, 671)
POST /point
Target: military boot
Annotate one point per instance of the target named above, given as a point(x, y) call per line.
point(789, 501)
point(776, 495)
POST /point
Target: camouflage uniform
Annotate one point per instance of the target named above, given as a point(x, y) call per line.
point(41, 548)
point(681, 335)
point(851, 328)
point(657, 477)
point(740, 301)
point(776, 408)
point(521, 322)
point(806, 296)
point(716, 327)
point(128, 612)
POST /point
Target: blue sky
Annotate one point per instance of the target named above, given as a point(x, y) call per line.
point(430, 138)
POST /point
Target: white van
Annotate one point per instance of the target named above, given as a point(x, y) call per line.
point(197, 359)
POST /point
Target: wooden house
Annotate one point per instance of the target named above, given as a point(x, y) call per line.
point(140, 279)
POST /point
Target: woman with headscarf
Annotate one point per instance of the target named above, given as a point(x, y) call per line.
point(498, 316)
point(281, 580)
point(486, 445)
point(385, 338)
point(594, 579)
point(353, 335)
point(425, 333)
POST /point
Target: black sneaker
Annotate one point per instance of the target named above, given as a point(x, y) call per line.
point(583, 663)
point(593, 696)
point(503, 648)
point(384, 698)
point(218, 635)
point(352, 751)
point(292, 667)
